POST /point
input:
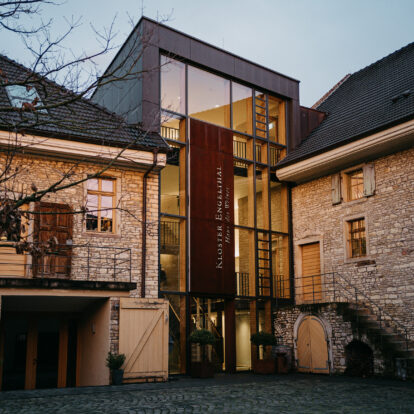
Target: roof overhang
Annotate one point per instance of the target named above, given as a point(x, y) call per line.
point(391, 140)
point(80, 151)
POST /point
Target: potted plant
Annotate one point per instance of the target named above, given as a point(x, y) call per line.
point(114, 363)
point(203, 368)
point(267, 365)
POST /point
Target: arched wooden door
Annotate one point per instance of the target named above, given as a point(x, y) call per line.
point(312, 346)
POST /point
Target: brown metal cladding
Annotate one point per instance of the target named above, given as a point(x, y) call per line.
point(212, 58)
point(211, 253)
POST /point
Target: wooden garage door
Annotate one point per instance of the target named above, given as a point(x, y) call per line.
point(143, 338)
point(312, 346)
point(311, 270)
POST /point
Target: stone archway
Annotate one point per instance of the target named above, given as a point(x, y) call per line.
point(312, 340)
point(359, 359)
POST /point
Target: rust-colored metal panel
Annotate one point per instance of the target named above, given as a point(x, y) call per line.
point(211, 209)
point(309, 120)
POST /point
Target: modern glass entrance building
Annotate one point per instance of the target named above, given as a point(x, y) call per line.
point(224, 217)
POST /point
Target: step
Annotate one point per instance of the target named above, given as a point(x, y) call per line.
point(406, 353)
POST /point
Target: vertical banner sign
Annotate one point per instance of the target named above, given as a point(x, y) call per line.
point(211, 209)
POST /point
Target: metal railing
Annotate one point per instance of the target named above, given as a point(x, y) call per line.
point(170, 233)
point(75, 262)
point(281, 286)
point(239, 149)
point(242, 284)
point(258, 153)
point(335, 288)
point(170, 133)
point(275, 156)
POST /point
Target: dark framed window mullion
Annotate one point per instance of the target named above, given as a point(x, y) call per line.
point(187, 198)
point(239, 226)
point(231, 105)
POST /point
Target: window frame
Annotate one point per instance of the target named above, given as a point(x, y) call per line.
point(348, 184)
point(344, 184)
point(23, 95)
point(349, 258)
point(99, 193)
point(357, 234)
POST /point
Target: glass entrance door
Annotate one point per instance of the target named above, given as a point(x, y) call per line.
point(208, 314)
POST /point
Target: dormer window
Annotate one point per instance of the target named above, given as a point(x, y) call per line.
point(24, 97)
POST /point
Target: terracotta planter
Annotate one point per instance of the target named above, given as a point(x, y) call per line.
point(264, 366)
point(202, 370)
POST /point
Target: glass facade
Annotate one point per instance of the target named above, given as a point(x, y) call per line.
point(208, 97)
point(172, 85)
point(261, 240)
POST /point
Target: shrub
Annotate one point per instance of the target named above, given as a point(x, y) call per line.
point(202, 337)
point(115, 361)
point(263, 338)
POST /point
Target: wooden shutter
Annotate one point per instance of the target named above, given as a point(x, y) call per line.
point(311, 269)
point(55, 222)
point(369, 180)
point(336, 188)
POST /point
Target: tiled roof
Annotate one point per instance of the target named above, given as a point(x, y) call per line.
point(370, 100)
point(68, 116)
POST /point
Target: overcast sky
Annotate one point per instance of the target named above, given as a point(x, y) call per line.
point(315, 41)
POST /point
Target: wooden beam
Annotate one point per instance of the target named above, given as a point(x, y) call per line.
point(31, 356)
point(63, 354)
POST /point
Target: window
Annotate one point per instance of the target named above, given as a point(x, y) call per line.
point(357, 238)
point(172, 126)
point(276, 120)
point(208, 97)
point(100, 204)
point(355, 184)
point(172, 85)
point(20, 95)
point(242, 108)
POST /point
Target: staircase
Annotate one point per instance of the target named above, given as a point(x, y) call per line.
point(394, 345)
point(367, 317)
point(261, 115)
point(264, 270)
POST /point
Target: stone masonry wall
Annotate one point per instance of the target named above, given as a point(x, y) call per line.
point(340, 333)
point(386, 274)
point(128, 235)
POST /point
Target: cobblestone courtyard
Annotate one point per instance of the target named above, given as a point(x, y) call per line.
point(224, 394)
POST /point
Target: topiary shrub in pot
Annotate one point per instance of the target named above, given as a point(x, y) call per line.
point(267, 365)
point(114, 362)
point(203, 368)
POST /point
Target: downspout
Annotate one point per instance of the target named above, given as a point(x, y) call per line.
point(144, 222)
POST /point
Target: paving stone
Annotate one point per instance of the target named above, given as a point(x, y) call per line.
point(226, 394)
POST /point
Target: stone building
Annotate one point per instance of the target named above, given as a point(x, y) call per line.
point(74, 292)
point(352, 183)
point(263, 215)
point(272, 213)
